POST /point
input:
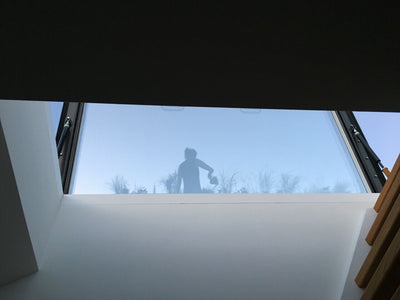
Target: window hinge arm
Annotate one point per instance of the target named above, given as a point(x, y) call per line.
point(369, 150)
point(64, 133)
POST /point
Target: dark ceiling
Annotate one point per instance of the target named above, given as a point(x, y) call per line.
point(305, 57)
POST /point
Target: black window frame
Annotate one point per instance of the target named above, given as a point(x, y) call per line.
point(371, 169)
point(74, 111)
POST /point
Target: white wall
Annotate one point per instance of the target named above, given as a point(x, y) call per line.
point(273, 246)
point(198, 247)
point(17, 258)
point(31, 146)
point(351, 290)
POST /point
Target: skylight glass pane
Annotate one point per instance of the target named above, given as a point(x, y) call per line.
point(138, 149)
point(382, 131)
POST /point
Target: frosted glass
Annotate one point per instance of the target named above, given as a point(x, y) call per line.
point(138, 149)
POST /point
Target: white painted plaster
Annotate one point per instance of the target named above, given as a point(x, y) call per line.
point(351, 290)
point(188, 247)
point(17, 258)
point(32, 150)
point(273, 246)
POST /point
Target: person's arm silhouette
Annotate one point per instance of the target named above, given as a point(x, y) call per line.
point(204, 166)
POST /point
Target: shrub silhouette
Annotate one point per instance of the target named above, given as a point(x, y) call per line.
point(288, 183)
point(119, 185)
point(170, 183)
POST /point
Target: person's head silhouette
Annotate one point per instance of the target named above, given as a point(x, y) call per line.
point(190, 153)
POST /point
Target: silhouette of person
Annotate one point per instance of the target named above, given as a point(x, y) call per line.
point(188, 171)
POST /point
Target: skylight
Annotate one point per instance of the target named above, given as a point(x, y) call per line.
point(139, 148)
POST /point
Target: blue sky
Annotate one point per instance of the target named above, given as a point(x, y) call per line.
point(382, 130)
point(146, 143)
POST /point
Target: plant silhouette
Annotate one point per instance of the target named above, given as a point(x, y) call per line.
point(227, 183)
point(265, 182)
point(139, 190)
point(170, 183)
point(119, 185)
point(288, 183)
